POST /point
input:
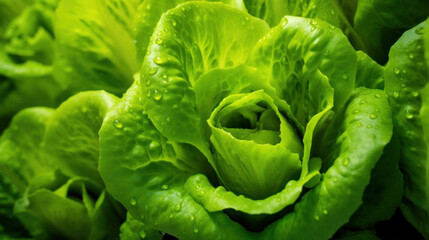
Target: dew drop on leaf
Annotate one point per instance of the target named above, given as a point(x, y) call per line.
point(396, 71)
point(158, 41)
point(152, 71)
point(118, 124)
point(133, 201)
point(142, 234)
point(346, 162)
point(178, 207)
point(157, 95)
point(395, 94)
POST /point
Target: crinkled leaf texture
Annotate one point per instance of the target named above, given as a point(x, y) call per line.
point(49, 203)
point(96, 47)
point(406, 77)
point(157, 153)
point(26, 56)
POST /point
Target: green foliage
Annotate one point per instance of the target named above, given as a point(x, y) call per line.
point(214, 119)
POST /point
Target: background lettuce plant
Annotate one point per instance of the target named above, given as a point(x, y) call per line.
point(240, 119)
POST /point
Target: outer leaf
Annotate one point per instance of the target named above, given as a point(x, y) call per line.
point(152, 171)
point(150, 12)
point(96, 47)
point(71, 138)
point(272, 11)
point(19, 147)
point(26, 56)
point(380, 23)
point(384, 192)
point(64, 213)
point(178, 58)
point(133, 229)
point(406, 74)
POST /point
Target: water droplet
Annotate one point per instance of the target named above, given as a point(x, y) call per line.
point(147, 82)
point(359, 124)
point(148, 94)
point(192, 218)
point(378, 95)
point(164, 75)
point(313, 28)
point(410, 134)
point(409, 115)
point(118, 124)
point(362, 102)
point(396, 71)
point(331, 27)
point(152, 71)
point(395, 94)
point(158, 41)
point(133, 201)
point(415, 94)
point(195, 230)
point(325, 211)
point(201, 193)
point(178, 207)
point(335, 179)
point(157, 95)
point(346, 161)
point(369, 126)
point(142, 234)
point(160, 60)
point(411, 55)
point(356, 111)
point(164, 187)
point(372, 116)
point(332, 11)
point(197, 186)
point(173, 22)
point(171, 215)
point(316, 217)
point(345, 76)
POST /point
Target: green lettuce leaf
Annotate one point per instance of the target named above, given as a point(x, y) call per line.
point(380, 23)
point(177, 59)
point(71, 135)
point(406, 75)
point(96, 47)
